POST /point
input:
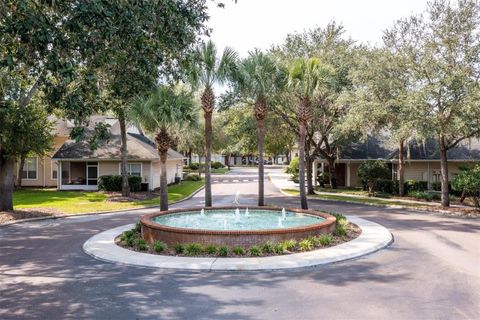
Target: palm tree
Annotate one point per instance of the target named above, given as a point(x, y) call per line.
point(206, 71)
point(166, 112)
point(305, 77)
point(257, 79)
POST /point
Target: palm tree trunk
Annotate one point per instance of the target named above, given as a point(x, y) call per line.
point(444, 172)
point(208, 103)
point(6, 183)
point(20, 173)
point(123, 154)
point(401, 170)
point(163, 181)
point(309, 164)
point(301, 166)
point(260, 114)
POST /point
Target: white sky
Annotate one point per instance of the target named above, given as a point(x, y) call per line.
point(261, 23)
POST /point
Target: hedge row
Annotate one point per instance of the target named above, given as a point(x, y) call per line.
point(114, 183)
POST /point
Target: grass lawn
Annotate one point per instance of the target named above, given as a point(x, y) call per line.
point(220, 170)
point(85, 201)
point(346, 197)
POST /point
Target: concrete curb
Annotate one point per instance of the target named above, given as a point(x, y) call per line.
point(373, 238)
point(86, 214)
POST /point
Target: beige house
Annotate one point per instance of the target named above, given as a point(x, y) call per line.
point(75, 166)
point(422, 161)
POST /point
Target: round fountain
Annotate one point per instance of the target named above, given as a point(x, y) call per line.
point(228, 226)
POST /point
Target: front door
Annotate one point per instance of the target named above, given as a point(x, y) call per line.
point(92, 173)
point(340, 173)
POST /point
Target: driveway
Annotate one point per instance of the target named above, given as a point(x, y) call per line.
point(432, 271)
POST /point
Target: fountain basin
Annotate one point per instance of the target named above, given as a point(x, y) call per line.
point(222, 226)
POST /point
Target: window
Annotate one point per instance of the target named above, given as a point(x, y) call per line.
point(30, 169)
point(134, 169)
point(436, 176)
point(54, 170)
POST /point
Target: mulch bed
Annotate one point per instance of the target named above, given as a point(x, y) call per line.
point(353, 231)
point(20, 214)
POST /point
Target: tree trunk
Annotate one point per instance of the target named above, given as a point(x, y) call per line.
point(208, 159)
point(6, 183)
point(332, 172)
point(401, 170)
point(444, 172)
point(301, 166)
point(20, 173)
point(163, 181)
point(189, 156)
point(309, 162)
point(124, 154)
point(261, 141)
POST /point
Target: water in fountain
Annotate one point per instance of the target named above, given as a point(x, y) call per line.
point(280, 223)
point(202, 212)
point(284, 215)
point(247, 214)
point(225, 224)
point(237, 215)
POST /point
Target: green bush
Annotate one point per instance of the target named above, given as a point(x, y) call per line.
point(255, 251)
point(305, 245)
point(468, 181)
point(178, 248)
point(279, 248)
point(267, 247)
point(386, 186)
point(293, 168)
point(211, 249)
point(324, 240)
point(193, 249)
point(289, 244)
point(217, 165)
point(239, 251)
point(114, 183)
point(194, 165)
point(192, 177)
point(223, 251)
point(141, 244)
point(413, 185)
point(137, 228)
point(425, 195)
point(371, 172)
point(159, 246)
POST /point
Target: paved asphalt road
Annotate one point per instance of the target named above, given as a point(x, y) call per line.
point(432, 271)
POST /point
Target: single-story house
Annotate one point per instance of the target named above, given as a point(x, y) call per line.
point(73, 165)
point(422, 161)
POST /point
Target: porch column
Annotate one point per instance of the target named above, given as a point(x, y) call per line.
point(59, 175)
point(429, 183)
point(348, 174)
point(315, 170)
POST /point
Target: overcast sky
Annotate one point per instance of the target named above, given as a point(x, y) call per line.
point(261, 23)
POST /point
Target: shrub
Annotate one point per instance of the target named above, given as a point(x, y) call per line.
point(223, 251)
point(413, 185)
point(159, 246)
point(386, 186)
point(114, 183)
point(217, 165)
point(279, 248)
point(239, 251)
point(425, 195)
point(137, 228)
point(338, 216)
point(255, 251)
point(194, 165)
point(192, 177)
point(267, 247)
point(178, 248)
point(293, 168)
point(468, 181)
point(371, 171)
point(193, 249)
point(324, 239)
point(211, 249)
point(305, 245)
point(323, 178)
point(289, 244)
point(141, 244)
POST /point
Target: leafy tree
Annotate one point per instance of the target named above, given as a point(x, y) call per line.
point(207, 70)
point(164, 113)
point(305, 76)
point(371, 171)
point(441, 51)
point(255, 82)
point(468, 182)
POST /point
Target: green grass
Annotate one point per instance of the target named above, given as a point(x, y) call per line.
point(346, 197)
point(86, 201)
point(220, 170)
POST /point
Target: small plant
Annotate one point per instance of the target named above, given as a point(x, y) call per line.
point(324, 240)
point(255, 251)
point(223, 251)
point(267, 247)
point(159, 246)
point(340, 230)
point(289, 245)
point(178, 248)
point(127, 234)
point(278, 248)
point(211, 249)
point(238, 251)
point(305, 245)
point(193, 249)
point(130, 241)
point(141, 244)
point(137, 228)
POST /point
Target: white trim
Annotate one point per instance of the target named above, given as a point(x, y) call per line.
point(79, 187)
point(36, 169)
point(86, 171)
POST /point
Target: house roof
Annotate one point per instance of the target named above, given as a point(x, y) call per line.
point(139, 148)
point(377, 147)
